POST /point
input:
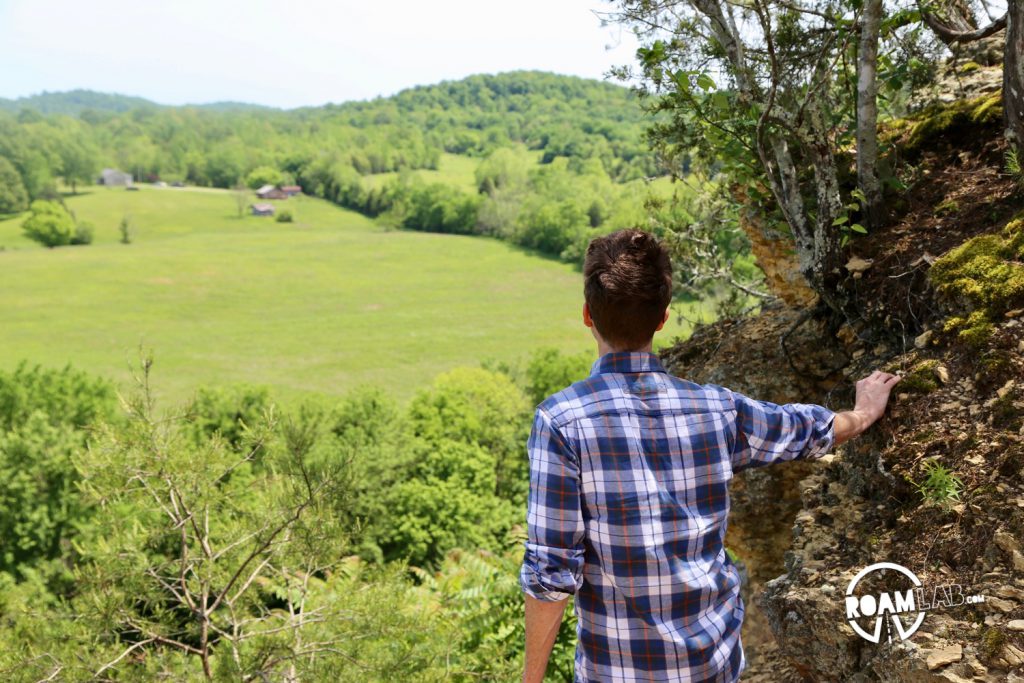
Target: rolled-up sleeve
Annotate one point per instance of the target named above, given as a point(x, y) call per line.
point(767, 433)
point(553, 562)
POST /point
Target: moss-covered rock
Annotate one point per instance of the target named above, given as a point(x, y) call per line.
point(992, 641)
point(942, 118)
point(974, 330)
point(984, 276)
point(921, 379)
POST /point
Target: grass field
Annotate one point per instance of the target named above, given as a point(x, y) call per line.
point(315, 306)
point(453, 169)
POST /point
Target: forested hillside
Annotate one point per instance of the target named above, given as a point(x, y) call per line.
point(554, 159)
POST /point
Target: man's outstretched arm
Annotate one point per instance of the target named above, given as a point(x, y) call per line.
point(872, 397)
point(543, 619)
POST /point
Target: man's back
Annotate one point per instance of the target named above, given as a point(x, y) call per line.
point(628, 506)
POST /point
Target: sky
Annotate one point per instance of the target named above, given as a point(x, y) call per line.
point(293, 53)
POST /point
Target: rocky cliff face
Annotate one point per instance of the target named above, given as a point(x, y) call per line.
point(746, 355)
point(937, 485)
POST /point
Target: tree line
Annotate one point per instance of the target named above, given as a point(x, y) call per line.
point(555, 115)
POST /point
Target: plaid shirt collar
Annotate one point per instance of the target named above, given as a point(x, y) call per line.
point(626, 362)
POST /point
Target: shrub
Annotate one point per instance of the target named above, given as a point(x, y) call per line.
point(227, 412)
point(550, 371)
point(285, 216)
point(66, 396)
point(83, 233)
point(39, 500)
point(126, 229)
point(50, 224)
point(44, 417)
point(440, 208)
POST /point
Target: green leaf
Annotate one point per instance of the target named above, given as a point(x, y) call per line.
point(682, 79)
point(857, 227)
point(841, 220)
point(704, 81)
point(858, 194)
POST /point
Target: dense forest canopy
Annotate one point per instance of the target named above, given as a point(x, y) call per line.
point(556, 115)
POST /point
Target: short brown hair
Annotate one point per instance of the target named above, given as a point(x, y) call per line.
point(627, 285)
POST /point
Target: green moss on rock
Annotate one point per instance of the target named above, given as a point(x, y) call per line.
point(974, 330)
point(941, 118)
point(992, 641)
point(920, 379)
point(985, 276)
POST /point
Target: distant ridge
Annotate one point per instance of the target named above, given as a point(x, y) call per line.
point(74, 102)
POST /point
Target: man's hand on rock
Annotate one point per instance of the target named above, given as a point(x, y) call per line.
point(873, 393)
point(872, 396)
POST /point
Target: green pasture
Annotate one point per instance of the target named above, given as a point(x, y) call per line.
point(453, 169)
point(315, 306)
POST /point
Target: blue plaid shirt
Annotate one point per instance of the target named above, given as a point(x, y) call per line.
point(629, 474)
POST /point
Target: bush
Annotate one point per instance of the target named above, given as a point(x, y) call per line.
point(50, 224)
point(126, 229)
point(226, 412)
point(285, 216)
point(483, 408)
point(83, 233)
point(66, 396)
point(39, 499)
point(550, 371)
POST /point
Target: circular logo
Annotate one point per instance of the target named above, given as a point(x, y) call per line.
point(883, 606)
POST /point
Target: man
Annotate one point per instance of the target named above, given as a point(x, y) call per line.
point(628, 489)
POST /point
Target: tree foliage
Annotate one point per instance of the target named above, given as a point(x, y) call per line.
point(13, 197)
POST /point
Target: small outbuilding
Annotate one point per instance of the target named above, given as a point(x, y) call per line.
point(111, 177)
point(291, 190)
point(271, 192)
point(262, 209)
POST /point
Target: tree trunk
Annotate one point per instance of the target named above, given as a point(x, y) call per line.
point(825, 257)
point(1013, 75)
point(867, 112)
point(816, 244)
